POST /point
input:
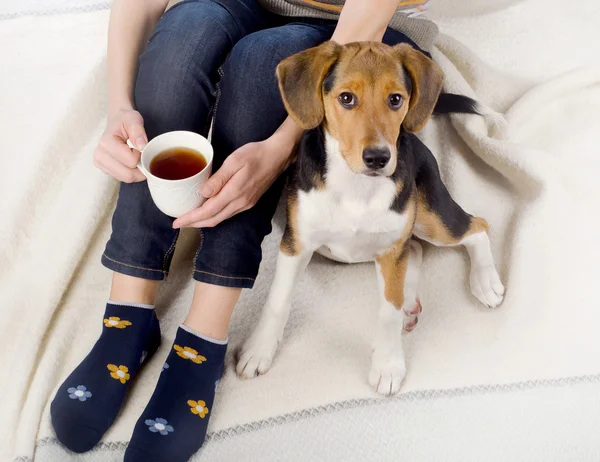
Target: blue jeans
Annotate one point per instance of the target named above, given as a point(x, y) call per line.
point(180, 86)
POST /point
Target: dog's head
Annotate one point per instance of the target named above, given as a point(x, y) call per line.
point(363, 93)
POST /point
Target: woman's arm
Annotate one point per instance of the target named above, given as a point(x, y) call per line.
point(131, 22)
point(229, 189)
point(364, 21)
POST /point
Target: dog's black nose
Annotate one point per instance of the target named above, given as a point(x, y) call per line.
point(376, 157)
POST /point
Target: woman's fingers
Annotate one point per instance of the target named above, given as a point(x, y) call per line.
point(117, 170)
point(134, 126)
point(231, 209)
point(119, 150)
point(113, 156)
point(220, 178)
point(209, 209)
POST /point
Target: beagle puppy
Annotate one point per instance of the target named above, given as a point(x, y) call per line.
point(363, 185)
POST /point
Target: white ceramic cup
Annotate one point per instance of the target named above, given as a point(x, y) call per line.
point(176, 197)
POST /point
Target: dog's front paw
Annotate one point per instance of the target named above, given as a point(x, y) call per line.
point(256, 357)
point(387, 374)
point(486, 286)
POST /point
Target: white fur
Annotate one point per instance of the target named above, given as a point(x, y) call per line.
point(485, 281)
point(350, 219)
point(496, 121)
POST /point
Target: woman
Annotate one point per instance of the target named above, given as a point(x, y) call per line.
point(173, 86)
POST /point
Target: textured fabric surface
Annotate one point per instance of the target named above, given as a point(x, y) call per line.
point(10, 9)
point(537, 190)
point(535, 421)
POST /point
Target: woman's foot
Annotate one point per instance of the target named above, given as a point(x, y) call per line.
point(88, 401)
point(173, 425)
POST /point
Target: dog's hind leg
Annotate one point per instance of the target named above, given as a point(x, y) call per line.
point(397, 276)
point(442, 222)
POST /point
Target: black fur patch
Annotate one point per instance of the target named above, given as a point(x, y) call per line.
point(407, 81)
point(437, 197)
point(405, 172)
point(451, 103)
point(311, 160)
point(329, 79)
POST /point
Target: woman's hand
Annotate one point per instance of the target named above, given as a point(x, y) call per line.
point(244, 177)
point(113, 156)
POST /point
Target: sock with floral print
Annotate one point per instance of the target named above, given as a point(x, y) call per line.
point(173, 425)
point(88, 401)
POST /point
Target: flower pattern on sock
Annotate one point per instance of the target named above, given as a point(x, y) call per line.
point(159, 426)
point(117, 322)
point(189, 353)
point(119, 373)
point(198, 408)
point(80, 392)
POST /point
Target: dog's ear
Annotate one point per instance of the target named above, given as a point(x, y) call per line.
point(300, 82)
point(426, 77)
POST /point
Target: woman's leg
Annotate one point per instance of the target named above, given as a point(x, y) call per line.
point(173, 425)
point(174, 90)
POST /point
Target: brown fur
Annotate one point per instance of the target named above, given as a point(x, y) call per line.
point(290, 242)
point(427, 77)
point(395, 262)
point(300, 79)
point(371, 72)
point(432, 226)
point(393, 270)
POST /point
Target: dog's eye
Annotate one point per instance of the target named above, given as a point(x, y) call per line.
point(347, 99)
point(395, 101)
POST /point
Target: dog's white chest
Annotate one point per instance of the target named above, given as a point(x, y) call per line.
point(350, 228)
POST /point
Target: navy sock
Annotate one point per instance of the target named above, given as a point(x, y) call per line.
point(88, 401)
point(173, 425)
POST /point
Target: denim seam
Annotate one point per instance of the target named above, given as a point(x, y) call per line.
point(200, 245)
point(133, 266)
point(224, 277)
point(220, 72)
point(170, 251)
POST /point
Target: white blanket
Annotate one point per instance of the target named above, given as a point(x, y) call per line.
point(538, 190)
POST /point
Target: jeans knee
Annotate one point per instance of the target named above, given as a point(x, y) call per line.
point(261, 51)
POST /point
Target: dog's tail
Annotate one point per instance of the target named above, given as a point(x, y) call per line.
point(449, 103)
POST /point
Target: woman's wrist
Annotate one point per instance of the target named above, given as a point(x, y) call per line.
point(287, 136)
point(342, 37)
point(364, 21)
point(283, 142)
point(119, 105)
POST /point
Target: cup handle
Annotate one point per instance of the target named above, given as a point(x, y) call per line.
point(139, 165)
